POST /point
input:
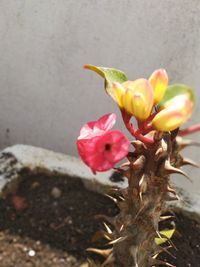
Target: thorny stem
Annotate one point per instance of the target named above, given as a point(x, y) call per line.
point(189, 130)
point(135, 132)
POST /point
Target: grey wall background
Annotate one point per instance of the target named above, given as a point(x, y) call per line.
point(46, 96)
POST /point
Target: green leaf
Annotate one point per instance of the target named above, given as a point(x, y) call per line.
point(176, 90)
point(167, 234)
point(109, 74)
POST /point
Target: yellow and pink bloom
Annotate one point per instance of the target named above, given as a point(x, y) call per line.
point(159, 83)
point(154, 104)
point(135, 97)
point(173, 114)
point(138, 97)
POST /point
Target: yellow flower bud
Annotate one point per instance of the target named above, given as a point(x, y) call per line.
point(159, 82)
point(135, 97)
point(138, 99)
point(174, 113)
point(116, 92)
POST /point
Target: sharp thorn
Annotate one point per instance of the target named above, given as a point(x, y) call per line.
point(159, 262)
point(138, 145)
point(107, 228)
point(106, 218)
point(172, 244)
point(107, 236)
point(183, 143)
point(186, 161)
point(126, 164)
point(140, 195)
point(171, 190)
point(162, 249)
point(110, 259)
point(99, 235)
point(159, 154)
point(121, 198)
point(121, 228)
point(165, 249)
point(138, 163)
point(142, 187)
point(156, 254)
point(103, 252)
point(163, 218)
point(118, 240)
point(112, 198)
point(141, 180)
point(170, 169)
point(161, 151)
point(169, 198)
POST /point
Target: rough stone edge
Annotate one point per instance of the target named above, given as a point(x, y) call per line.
point(17, 158)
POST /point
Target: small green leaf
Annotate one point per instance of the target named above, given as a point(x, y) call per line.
point(167, 234)
point(109, 74)
point(175, 90)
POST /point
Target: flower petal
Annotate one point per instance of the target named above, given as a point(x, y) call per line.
point(176, 90)
point(106, 122)
point(176, 112)
point(103, 152)
point(159, 82)
point(116, 92)
point(96, 128)
point(118, 143)
point(138, 99)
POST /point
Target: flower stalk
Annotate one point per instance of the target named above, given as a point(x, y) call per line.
point(136, 132)
point(190, 130)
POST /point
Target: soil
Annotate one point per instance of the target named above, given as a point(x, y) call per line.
point(50, 221)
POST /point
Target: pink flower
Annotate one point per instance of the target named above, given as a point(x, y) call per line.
point(99, 147)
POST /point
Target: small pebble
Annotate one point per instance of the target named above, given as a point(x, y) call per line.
point(19, 203)
point(35, 185)
point(56, 192)
point(71, 259)
point(25, 249)
point(62, 260)
point(38, 243)
point(31, 253)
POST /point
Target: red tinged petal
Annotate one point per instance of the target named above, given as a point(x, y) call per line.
point(159, 82)
point(95, 128)
point(138, 99)
point(176, 112)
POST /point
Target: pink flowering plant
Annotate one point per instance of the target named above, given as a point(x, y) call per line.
point(153, 112)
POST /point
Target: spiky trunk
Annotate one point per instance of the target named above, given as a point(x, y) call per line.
point(143, 203)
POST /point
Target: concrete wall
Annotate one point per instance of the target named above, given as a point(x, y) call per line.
point(46, 95)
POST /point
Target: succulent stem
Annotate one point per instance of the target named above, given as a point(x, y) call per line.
point(143, 203)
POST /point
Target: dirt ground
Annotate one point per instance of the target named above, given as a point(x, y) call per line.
point(50, 221)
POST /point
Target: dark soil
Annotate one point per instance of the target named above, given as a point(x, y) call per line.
point(50, 221)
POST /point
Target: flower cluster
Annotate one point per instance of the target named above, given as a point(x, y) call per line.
point(140, 96)
point(156, 107)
